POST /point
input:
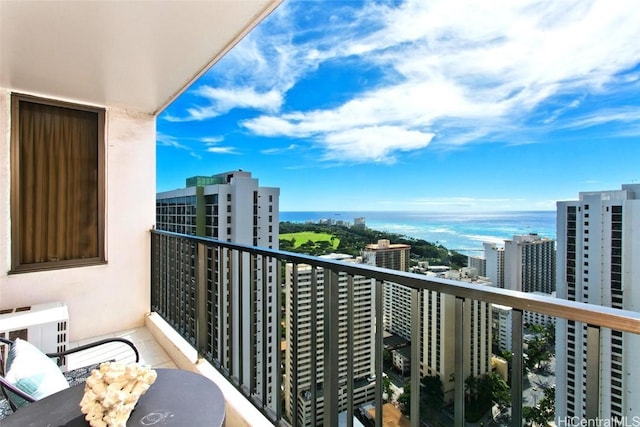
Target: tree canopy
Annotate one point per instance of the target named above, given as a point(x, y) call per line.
point(354, 239)
point(431, 397)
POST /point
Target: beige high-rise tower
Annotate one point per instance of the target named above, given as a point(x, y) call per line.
point(300, 340)
point(397, 298)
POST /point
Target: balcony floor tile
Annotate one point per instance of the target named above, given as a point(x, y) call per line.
point(151, 353)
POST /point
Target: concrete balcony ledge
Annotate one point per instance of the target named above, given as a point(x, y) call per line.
point(239, 411)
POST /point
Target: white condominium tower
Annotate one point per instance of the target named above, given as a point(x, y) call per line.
point(526, 263)
point(299, 366)
point(494, 264)
point(479, 263)
point(597, 263)
point(530, 264)
point(232, 207)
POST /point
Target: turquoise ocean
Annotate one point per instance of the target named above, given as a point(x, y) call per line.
point(463, 232)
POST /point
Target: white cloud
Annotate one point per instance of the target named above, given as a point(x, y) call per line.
point(220, 101)
point(375, 143)
point(212, 139)
point(226, 99)
point(213, 145)
point(169, 141)
point(291, 147)
point(622, 115)
point(222, 150)
point(452, 71)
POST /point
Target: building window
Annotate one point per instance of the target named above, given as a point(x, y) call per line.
point(57, 185)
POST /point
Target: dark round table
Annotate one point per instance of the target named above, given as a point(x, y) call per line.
point(177, 398)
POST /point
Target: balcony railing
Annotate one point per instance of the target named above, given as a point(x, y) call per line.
point(219, 297)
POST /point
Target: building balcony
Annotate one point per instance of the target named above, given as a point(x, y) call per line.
point(208, 307)
point(211, 303)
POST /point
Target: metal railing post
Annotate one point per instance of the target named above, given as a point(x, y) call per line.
point(266, 348)
point(232, 312)
point(331, 353)
point(240, 315)
point(379, 347)
point(350, 335)
point(279, 303)
point(293, 347)
point(458, 419)
point(313, 344)
point(253, 322)
point(415, 358)
point(516, 368)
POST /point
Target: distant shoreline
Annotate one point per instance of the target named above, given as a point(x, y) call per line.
point(423, 212)
point(464, 232)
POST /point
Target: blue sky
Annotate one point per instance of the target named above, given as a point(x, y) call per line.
point(439, 105)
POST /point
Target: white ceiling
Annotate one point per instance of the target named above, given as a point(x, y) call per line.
point(131, 54)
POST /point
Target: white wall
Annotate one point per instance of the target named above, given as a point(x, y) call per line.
point(103, 298)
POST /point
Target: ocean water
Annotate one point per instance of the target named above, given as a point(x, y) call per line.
point(463, 232)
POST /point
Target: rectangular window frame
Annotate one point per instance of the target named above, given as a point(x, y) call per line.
point(17, 266)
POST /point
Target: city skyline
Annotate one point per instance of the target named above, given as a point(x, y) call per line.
point(432, 107)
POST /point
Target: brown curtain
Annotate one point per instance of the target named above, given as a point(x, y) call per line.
point(58, 173)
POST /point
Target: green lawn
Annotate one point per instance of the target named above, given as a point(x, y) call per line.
point(310, 236)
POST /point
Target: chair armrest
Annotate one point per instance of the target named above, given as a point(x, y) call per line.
point(6, 386)
point(96, 344)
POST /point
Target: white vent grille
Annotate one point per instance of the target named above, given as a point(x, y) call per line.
point(43, 325)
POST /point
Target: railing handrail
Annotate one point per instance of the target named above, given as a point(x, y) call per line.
point(606, 317)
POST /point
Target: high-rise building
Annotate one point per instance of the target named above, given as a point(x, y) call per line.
point(494, 264)
point(530, 264)
point(438, 320)
point(298, 359)
point(502, 326)
point(479, 263)
point(360, 222)
point(388, 255)
point(597, 262)
point(396, 311)
point(526, 263)
point(232, 206)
